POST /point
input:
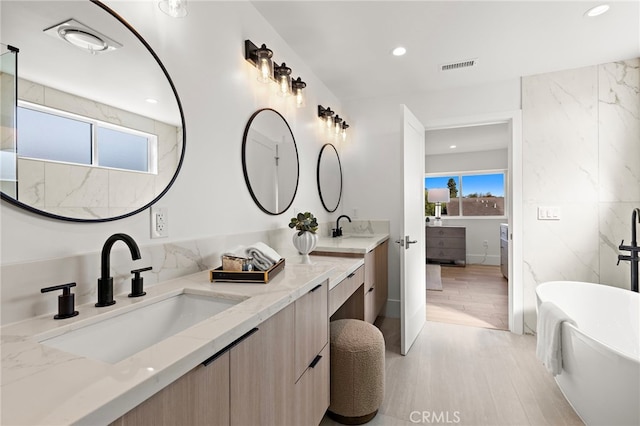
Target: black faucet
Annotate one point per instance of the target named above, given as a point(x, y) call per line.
point(633, 250)
point(105, 282)
point(338, 231)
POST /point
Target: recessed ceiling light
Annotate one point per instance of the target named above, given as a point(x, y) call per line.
point(453, 146)
point(597, 11)
point(151, 101)
point(82, 36)
point(399, 51)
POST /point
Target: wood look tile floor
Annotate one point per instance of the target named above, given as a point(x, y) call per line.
point(456, 374)
point(475, 295)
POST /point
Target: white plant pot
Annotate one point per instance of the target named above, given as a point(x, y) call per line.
point(305, 244)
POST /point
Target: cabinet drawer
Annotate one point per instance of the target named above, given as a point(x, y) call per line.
point(445, 232)
point(311, 326)
point(341, 292)
point(446, 254)
point(452, 243)
point(312, 392)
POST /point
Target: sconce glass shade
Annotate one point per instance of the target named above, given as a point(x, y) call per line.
point(298, 86)
point(283, 78)
point(337, 124)
point(264, 64)
point(345, 126)
point(329, 117)
point(174, 8)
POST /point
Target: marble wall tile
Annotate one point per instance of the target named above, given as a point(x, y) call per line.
point(615, 226)
point(31, 178)
point(130, 189)
point(69, 185)
point(560, 136)
point(619, 130)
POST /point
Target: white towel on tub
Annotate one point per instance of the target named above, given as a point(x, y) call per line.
point(549, 339)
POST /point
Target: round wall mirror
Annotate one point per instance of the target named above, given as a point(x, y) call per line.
point(329, 176)
point(100, 127)
point(270, 161)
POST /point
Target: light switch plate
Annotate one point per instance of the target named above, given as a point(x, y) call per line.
point(549, 213)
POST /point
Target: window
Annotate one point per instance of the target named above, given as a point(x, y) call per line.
point(53, 135)
point(471, 194)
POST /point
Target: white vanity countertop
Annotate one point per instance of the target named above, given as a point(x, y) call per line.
point(354, 243)
point(45, 386)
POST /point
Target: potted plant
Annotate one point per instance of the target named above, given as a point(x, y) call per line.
point(305, 239)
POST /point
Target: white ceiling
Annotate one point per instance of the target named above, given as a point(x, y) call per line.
point(348, 43)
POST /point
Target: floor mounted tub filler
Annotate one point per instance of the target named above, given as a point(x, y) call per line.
point(600, 374)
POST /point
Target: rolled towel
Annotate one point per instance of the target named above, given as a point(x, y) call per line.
point(264, 257)
point(549, 339)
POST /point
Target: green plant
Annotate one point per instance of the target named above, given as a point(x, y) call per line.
point(304, 222)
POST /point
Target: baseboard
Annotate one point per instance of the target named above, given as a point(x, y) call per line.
point(481, 259)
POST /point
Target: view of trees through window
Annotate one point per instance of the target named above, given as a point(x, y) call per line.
point(471, 194)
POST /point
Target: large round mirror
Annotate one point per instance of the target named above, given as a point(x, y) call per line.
point(100, 128)
point(329, 176)
point(270, 161)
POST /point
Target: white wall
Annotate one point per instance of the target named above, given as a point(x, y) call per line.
point(373, 157)
point(204, 55)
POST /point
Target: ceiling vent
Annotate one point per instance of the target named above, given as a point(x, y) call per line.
point(468, 63)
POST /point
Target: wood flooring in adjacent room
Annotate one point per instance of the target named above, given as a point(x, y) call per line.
point(475, 295)
point(457, 374)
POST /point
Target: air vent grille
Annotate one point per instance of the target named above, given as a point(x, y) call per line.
point(459, 65)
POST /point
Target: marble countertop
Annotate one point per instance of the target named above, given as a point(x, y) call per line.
point(352, 243)
point(42, 385)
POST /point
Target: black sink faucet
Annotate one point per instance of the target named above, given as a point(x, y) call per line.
point(633, 249)
point(105, 282)
point(338, 231)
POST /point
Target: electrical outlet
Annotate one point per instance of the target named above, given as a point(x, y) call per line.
point(159, 222)
point(485, 244)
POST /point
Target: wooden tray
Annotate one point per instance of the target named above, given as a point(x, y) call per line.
point(246, 276)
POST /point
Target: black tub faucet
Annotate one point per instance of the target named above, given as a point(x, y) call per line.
point(338, 231)
point(105, 282)
point(633, 249)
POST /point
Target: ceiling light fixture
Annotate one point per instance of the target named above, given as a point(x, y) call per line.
point(399, 51)
point(174, 8)
point(597, 11)
point(82, 36)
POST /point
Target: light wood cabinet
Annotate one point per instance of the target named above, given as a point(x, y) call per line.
point(343, 291)
point(311, 326)
point(261, 374)
point(200, 397)
point(312, 392)
point(375, 281)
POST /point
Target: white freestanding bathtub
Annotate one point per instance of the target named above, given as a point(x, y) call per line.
point(601, 355)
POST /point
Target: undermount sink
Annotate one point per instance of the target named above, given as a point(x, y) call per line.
point(357, 236)
point(118, 337)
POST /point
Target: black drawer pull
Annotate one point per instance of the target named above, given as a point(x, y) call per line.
point(351, 275)
point(315, 288)
point(371, 289)
point(315, 361)
point(217, 355)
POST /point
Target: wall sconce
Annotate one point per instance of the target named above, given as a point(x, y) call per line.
point(438, 196)
point(282, 75)
point(174, 8)
point(345, 126)
point(337, 123)
point(260, 57)
point(326, 114)
point(297, 87)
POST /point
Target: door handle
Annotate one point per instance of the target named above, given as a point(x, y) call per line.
point(408, 242)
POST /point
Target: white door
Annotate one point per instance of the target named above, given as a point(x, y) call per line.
point(413, 310)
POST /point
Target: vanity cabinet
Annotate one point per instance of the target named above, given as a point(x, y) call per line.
point(375, 281)
point(199, 397)
point(276, 374)
point(261, 373)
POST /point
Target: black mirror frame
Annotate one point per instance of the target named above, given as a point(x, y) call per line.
point(324, 204)
point(244, 162)
point(31, 209)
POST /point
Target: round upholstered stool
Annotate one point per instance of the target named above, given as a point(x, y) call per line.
point(357, 371)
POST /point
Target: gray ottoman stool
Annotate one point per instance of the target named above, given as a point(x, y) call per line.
point(357, 371)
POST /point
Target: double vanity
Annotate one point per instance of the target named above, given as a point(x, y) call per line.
point(194, 351)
